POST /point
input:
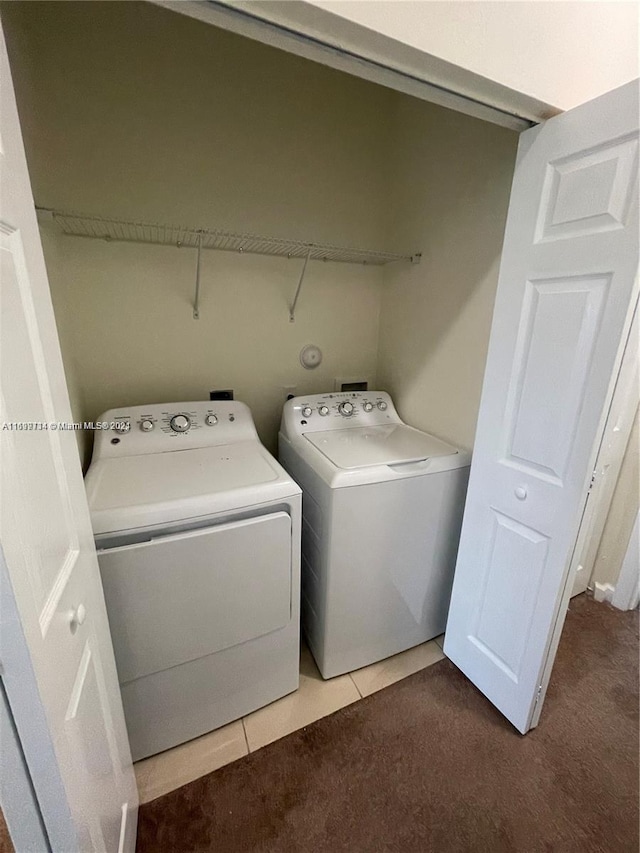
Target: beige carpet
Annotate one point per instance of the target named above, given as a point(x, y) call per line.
point(429, 765)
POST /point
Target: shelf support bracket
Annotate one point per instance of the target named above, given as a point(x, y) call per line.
point(292, 309)
point(196, 298)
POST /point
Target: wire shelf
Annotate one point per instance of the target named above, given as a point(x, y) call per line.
point(126, 231)
point(79, 225)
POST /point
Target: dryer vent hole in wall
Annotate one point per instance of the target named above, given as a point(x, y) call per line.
point(221, 395)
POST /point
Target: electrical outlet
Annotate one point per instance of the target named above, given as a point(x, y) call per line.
point(289, 391)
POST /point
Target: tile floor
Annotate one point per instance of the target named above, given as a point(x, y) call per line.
point(315, 698)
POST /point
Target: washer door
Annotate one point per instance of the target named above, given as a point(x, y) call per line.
point(389, 444)
point(180, 597)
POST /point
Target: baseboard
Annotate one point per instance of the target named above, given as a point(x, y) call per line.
point(627, 591)
point(614, 595)
point(603, 591)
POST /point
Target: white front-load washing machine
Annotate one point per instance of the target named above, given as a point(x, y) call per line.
point(197, 529)
point(382, 512)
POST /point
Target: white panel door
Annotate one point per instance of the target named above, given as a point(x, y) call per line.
point(567, 278)
point(46, 531)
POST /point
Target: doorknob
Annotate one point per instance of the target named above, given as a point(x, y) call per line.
point(521, 493)
point(77, 617)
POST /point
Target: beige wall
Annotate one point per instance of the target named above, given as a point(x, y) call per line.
point(622, 515)
point(134, 339)
point(65, 321)
point(133, 111)
point(451, 178)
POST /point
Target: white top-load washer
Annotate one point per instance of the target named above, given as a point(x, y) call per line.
point(382, 511)
point(197, 529)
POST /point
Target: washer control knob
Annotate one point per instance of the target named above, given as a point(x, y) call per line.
point(346, 409)
point(211, 420)
point(307, 411)
point(368, 407)
point(382, 405)
point(146, 425)
point(122, 426)
point(324, 411)
point(180, 423)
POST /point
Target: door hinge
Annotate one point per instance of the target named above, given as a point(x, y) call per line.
point(538, 695)
point(593, 479)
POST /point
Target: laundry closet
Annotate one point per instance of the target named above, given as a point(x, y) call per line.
point(132, 113)
point(211, 207)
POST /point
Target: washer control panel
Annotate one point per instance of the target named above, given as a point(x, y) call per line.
point(171, 426)
point(338, 411)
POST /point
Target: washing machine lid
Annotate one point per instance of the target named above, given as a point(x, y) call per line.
point(390, 444)
point(137, 491)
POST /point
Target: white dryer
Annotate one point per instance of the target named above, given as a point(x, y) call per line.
point(382, 512)
point(197, 529)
